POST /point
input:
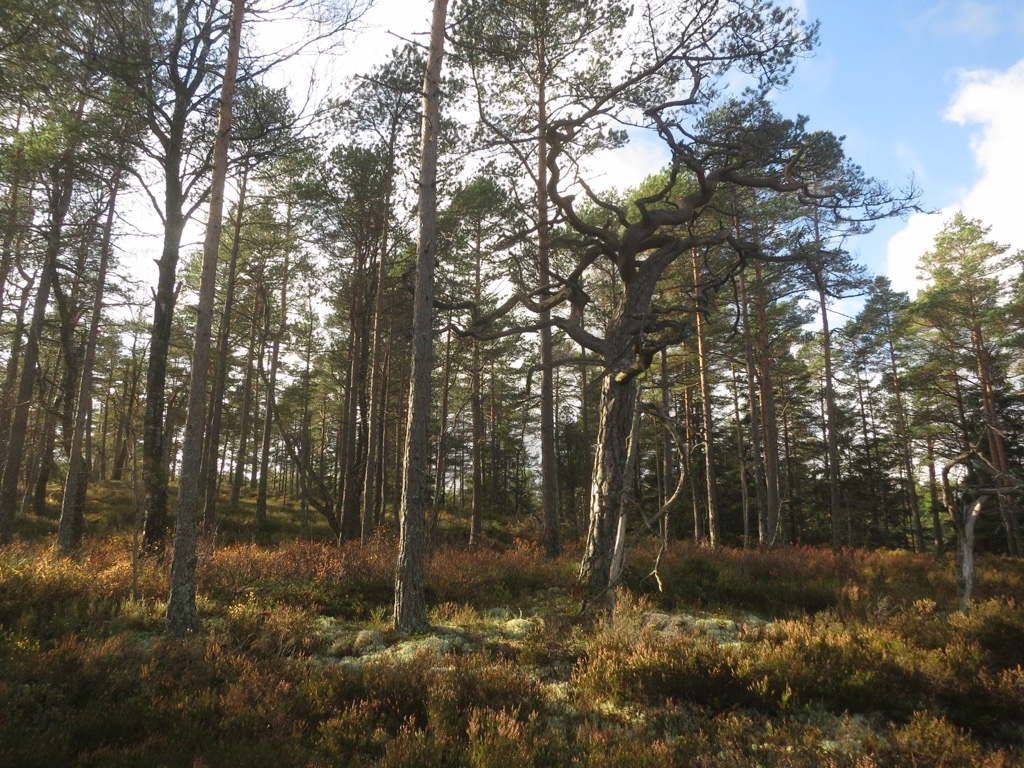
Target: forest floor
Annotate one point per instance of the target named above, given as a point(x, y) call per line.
point(799, 657)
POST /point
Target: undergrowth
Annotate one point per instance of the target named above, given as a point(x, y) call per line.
point(799, 657)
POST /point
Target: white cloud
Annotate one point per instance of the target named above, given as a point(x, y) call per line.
point(907, 246)
point(628, 166)
point(995, 102)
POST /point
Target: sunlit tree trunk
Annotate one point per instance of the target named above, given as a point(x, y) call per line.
point(181, 604)
point(410, 601)
point(210, 477)
point(707, 416)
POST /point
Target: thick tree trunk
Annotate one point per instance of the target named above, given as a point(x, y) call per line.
point(410, 602)
point(187, 74)
point(618, 403)
point(154, 455)
point(615, 423)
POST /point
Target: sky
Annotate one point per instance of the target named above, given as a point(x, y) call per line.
point(929, 89)
point(933, 89)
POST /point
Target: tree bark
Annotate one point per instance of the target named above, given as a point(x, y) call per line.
point(268, 416)
point(832, 436)
point(241, 454)
point(60, 203)
point(767, 526)
point(548, 454)
point(181, 603)
point(410, 601)
point(769, 419)
point(210, 477)
point(707, 416)
point(72, 515)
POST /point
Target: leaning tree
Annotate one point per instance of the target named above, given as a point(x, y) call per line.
point(699, 74)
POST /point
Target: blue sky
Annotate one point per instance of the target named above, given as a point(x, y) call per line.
point(929, 88)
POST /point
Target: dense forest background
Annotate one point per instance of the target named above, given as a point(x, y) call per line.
point(769, 417)
point(417, 446)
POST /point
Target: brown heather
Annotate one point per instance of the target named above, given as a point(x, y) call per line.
point(799, 657)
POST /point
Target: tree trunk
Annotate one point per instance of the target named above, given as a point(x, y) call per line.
point(11, 375)
point(181, 604)
point(352, 465)
point(441, 458)
point(410, 602)
point(238, 474)
point(769, 419)
point(698, 517)
point(933, 494)
point(767, 522)
point(741, 461)
point(477, 407)
point(72, 514)
point(994, 435)
point(835, 502)
point(618, 403)
point(615, 422)
point(60, 203)
point(548, 454)
point(707, 417)
point(377, 405)
point(667, 453)
point(268, 416)
point(210, 477)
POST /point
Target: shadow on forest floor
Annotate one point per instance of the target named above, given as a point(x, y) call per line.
point(798, 657)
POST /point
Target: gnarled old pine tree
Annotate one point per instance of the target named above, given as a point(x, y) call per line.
point(671, 70)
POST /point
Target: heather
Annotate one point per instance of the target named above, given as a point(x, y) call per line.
point(797, 657)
